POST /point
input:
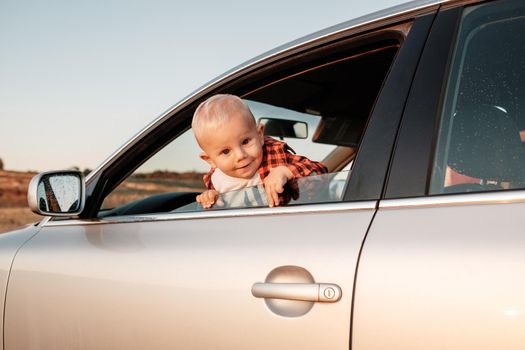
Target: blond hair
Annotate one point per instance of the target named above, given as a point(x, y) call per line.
point(216, 111)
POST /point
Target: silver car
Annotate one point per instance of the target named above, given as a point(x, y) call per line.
point(414, 240)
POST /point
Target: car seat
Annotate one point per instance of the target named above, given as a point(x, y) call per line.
point(485, 144)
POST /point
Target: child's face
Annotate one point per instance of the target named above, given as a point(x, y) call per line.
point(234, 147)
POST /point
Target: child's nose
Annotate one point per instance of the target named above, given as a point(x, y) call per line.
point(240, 153)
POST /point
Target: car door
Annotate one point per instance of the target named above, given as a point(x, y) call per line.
point(255, 278)
point(443, 263)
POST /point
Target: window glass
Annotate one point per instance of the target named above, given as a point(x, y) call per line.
point(481, 137)
point(310, 189)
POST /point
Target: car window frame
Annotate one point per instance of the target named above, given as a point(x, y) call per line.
point(411, 167)
point(373, 159)
point(100, 183)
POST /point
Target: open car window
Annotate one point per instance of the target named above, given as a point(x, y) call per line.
point(320, 112)
point(171, 180)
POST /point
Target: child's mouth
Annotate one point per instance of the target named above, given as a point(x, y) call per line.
point(244, 166)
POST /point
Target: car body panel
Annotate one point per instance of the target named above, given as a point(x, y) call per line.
point(181, 283)
point(443, 275)
point(10, 243)
point(446, 271)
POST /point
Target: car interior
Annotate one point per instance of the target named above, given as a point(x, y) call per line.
point(489, 131)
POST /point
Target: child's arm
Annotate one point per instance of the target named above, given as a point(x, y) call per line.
point(207, 198)
point(274, 183)
point(297, 166)
point(301, 166)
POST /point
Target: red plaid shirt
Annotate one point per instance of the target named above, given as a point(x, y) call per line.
point(276, 153)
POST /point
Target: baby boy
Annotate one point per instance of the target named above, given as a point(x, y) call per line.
point(240, 155)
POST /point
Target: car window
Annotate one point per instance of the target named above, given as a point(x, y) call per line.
point(319, 113)
point(178, 168)
point(482, 132)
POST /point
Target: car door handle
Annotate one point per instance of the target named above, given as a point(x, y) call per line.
point(316, 292)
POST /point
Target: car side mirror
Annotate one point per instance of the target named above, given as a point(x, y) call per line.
point(284, 128)
point(57, 193)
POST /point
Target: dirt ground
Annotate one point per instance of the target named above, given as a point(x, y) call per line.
point(13, 200)
point(11, 218)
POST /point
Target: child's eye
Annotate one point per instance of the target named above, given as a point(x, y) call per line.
point(225, 152)
point(245, 141)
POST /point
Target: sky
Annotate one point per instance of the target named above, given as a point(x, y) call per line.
point(79, 78)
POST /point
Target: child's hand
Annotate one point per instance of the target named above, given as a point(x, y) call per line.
point(274, 183)
point(207, 198)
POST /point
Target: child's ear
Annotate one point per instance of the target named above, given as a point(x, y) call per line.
point(260, 132)
point(207, 159)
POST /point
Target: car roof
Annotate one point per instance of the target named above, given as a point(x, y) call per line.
point(357, 24)
point(411, 6)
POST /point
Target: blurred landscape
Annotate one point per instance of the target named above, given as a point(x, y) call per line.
point(15, 213)
point(143, 185)
point(13, 200)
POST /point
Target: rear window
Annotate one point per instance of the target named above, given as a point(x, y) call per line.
point(481, 137)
